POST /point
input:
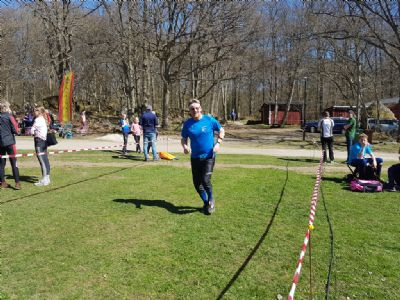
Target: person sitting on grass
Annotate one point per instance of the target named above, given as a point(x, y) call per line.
point(359, 160)
point(393, 183)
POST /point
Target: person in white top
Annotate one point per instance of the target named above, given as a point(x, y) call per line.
point(39, 131)
point(325, 126)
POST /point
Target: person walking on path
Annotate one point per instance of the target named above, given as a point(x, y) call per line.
point(39, 131)
point(325, 126)
point(8, 128)
point(149, 121)
point(200, 129)
point(125, 128)
point(84, 123)
point(350, 133)
point(136, 132)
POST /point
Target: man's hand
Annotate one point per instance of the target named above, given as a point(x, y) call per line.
point(216, 148)
point(186, 149)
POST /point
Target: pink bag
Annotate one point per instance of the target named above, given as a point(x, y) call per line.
point(363, 185)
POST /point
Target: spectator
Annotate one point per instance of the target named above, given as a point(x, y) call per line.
point(136, 132)
point(149, 121)
point(233, 115)
point(125, 129)
point(325, 126)
point(359, 160)
point(393, 183)
point(84, 123)
point(8, 129)
point(350, 128)
point(39, 131)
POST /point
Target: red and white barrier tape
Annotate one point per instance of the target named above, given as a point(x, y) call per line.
point(314, 201)
point(61, 151)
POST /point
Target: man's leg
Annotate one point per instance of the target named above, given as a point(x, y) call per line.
point(153, 146)
point(323, 144)
point(349, 143)
point(197, 178)
point(206, 182)
point(330, 147)
point(145, 144)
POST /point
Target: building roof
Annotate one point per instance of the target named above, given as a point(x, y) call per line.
point(385, 101)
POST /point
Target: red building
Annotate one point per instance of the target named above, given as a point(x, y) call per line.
point(395, 108)
point(340, 110)
point(267, 111)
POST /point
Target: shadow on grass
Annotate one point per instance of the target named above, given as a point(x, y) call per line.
point(30, 179)
point(259, 243)
point(62, 186)
point(134, 156)
point(180, 210)
point(308, 160)
point(334, 179)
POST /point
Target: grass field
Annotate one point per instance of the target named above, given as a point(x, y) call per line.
point(137, 232)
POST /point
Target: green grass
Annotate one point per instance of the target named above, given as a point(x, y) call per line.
point(137, 233)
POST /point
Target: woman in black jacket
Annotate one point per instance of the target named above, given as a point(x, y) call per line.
point(8, 128)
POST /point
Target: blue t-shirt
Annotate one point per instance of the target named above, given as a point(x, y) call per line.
point(356, 148)
point(124, 126)
point(201, 134)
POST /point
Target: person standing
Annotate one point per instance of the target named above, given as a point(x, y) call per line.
point(200, 129)
point(393, 183)
point(136, 132)
point(149, 121)
point(233, 115)
point(8, 128)
point(350, 133)
point(39, 131)
point(125, 128)
point(325, 126)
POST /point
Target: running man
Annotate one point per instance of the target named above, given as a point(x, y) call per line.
point(200, 130)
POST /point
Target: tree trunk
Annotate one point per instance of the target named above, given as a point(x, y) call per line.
point(288, 103)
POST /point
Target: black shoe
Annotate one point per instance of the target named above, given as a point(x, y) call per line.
point(205, 208)
point(211, 206)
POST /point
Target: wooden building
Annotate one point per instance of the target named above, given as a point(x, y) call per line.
point(340, 110)
point(267, 111)
point(395, 108)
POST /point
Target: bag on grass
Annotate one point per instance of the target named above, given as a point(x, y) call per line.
point(51, 139)
point(362, 185)
point(167, 156)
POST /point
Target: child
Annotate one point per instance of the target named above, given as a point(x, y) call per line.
point(124, 123)
point(358, 159)
point(136, 132)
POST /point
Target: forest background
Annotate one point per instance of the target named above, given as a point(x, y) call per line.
point(229, 54)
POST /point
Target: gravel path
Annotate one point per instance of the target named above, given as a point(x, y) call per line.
point(172, 144)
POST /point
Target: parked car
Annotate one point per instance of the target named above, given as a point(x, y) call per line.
point(338, 128)
point(386, 126)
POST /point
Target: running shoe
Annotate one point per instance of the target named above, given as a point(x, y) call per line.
point(211, 206)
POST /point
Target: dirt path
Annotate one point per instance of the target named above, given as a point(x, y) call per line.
point(172, 144)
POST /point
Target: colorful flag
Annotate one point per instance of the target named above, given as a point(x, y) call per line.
point(65, 98)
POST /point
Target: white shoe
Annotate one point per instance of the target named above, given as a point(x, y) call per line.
point(43, 182)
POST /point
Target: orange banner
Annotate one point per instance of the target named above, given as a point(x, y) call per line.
point(65, 98)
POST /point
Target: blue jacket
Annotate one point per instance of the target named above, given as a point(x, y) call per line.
point(8, 127)
point(148, 121)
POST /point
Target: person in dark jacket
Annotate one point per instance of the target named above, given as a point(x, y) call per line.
point(149, 121)
point(8, 128)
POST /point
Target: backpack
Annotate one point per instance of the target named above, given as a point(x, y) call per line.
point(363, 185)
